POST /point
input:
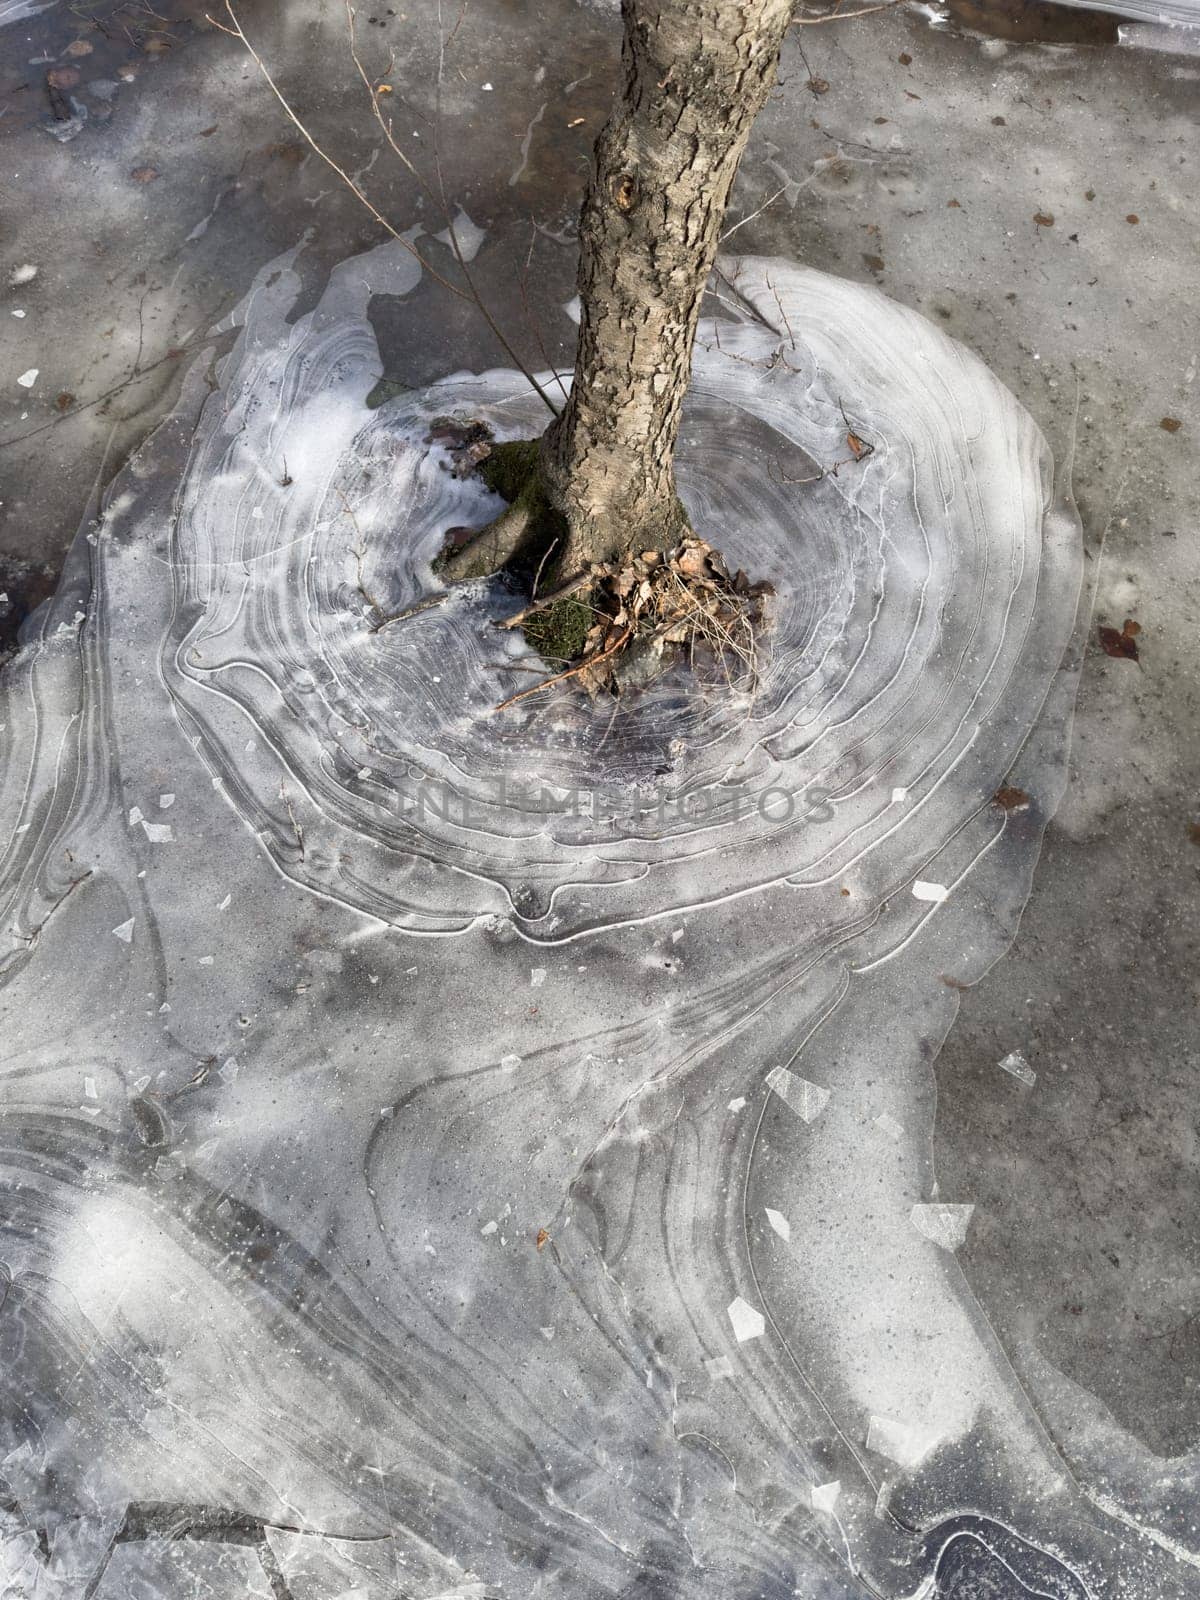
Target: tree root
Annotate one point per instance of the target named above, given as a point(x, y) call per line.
point(524, 535)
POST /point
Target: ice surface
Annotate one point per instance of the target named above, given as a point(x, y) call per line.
point(441, 1273)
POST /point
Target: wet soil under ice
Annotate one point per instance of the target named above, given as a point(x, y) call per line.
point(187, 1251)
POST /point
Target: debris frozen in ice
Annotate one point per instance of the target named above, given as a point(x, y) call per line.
point(779, 1222)
point(806, 1099)
point(1016, 1063)
point(748, 1323)
point(946, 1225)
point(933, 892)
point(825, 1496)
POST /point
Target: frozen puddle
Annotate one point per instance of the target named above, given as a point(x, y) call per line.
point(379, 1170)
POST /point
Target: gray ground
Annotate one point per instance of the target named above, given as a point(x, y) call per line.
point(911, 156)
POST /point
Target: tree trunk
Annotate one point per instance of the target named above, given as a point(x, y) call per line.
point(695, 74)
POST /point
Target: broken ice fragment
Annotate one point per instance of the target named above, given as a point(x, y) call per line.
point(747, 1322)
point(824, 1495)
point(165, 801)
point(159, 832)
point(28, 379)
point(1016, 1063)
point(934, 892)
point(806, 1099)
point(779, 1222)
point(889, 1125)
point(125, 931)
point(898, 795)
point(946, 1225)
point(509, 1063)
point(537, 977)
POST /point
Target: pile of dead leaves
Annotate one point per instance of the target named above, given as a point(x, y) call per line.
point(659, 607)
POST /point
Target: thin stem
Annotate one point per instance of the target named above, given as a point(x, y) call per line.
point(237, 32)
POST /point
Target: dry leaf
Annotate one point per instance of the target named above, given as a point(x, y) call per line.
point(1011, 799)
point(144, 174)
point(1123, 645)
point(1171, 424)
point(543, 1236)
point(1043, 219)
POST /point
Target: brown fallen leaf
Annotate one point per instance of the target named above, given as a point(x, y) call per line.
point(1043, 219)
point(64, 401)
point(1009, 798)
point(857, 448)
point(1133, 217)
point(62, 77)
point(1123, 645)
point(874, 262)
point(998, 122)
point(206, 133)
point(1194, 832)
point(79, 47)
point(953, 205)
point(384, 88)
point(911, 95)
point(144, 174)
point(819, 85)
point(1089, 194)
point(953, 983)
point(156, 47)
point(542, 1238)
point(1170, 424)
point(904, 59)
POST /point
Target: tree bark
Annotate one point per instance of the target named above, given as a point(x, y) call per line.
point(695, 74)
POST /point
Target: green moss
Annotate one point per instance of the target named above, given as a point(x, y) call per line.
point(510, 468)
point(558, 633)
